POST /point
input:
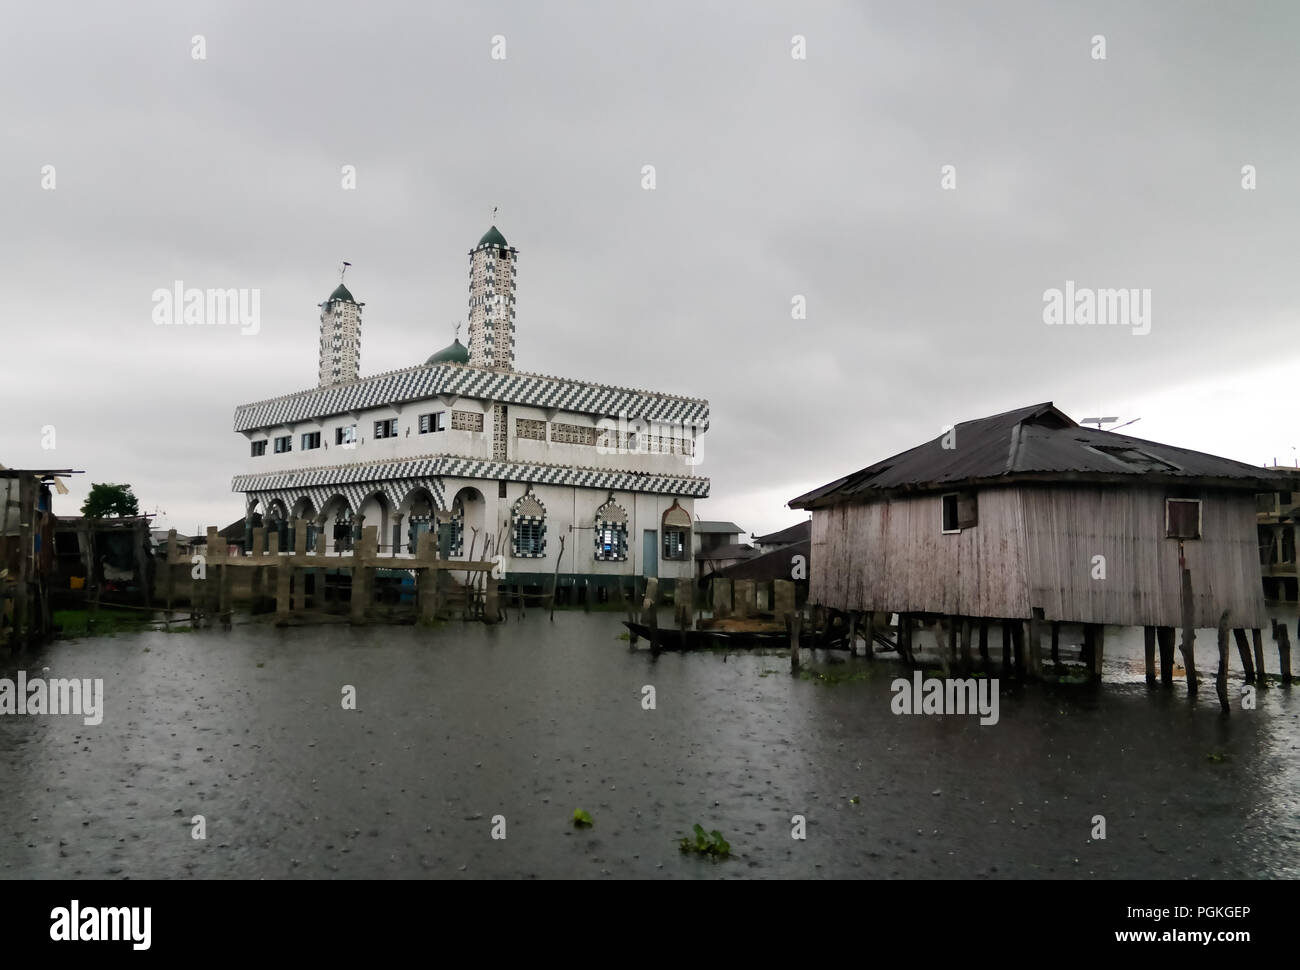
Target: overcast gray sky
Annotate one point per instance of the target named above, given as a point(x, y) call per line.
point(776, 177)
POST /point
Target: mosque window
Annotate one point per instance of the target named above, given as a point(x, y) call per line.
point(611, 532)
point(528, 527)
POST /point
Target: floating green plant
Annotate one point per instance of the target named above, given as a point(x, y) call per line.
point(706, 843)
point(581, 819)
point(1217, 757)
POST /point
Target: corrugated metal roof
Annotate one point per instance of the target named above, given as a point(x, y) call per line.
point(796, 533)
point(709, 526)
point(777, 564)
point(1040, 443)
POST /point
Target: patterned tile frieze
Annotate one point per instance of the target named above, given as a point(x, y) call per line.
point(511, 387)
point(316, 480)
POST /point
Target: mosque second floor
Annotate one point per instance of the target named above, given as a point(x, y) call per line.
point(489, 422)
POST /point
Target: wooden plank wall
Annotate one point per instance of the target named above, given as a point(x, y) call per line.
point(1066, 526)
point(892, 555)
point(1034, 547)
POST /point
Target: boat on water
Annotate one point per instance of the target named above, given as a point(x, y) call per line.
point(733, 634)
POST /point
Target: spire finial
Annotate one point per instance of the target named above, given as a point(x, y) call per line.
point(343, 269)
point(494, 215)
point(457, 329)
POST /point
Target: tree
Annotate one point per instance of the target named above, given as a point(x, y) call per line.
point(105, 500)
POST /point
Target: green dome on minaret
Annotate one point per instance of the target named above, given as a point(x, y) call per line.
point(493, 237)
point(456, 353)
point(340, 293)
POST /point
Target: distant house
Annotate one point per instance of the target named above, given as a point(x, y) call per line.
point(786, 537)
point(27, 560)
point(109, 559)
point(1028, 514)
point(1276, 517)
point(710, 535)
point(718, 545)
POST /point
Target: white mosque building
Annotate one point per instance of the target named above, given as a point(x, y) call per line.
point(468, 446)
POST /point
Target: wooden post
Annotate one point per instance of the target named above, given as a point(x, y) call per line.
point(941, 647)
point(1165, 639)
point(1099, 651)
point(225, 607)
point(1006, 647)
point(426, 549)
point(905, 639)
point(363, 571)
point(1036, 621)
point(1283, 651)
point(1149, 649)
point(653, 620)
point(1257, 639)
point(965, 643)
point(721, 598)
point(1221, 681)
point(555, 579)
point(853, 633)
point(491, 607)
point(281, 587)
point(1188, 646)
point(650, 603)
point(792, 624)
point(1056, 642)
point(869, 633)
point(1018, 645)
point(170, 578)
point(1243, 650)
point(984, 642)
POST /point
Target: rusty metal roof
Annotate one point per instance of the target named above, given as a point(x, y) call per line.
point(1041, 443)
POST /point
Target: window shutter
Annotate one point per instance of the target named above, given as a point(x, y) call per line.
point(967, 510)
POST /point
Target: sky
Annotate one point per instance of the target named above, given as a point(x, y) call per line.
point(919, 181)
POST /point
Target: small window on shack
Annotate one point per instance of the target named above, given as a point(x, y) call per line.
point(1182, 518)
point(960, 511)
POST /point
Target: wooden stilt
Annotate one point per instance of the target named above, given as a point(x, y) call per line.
point(1188, 645)
point(1221, 680)
point(1261, 674)
point(1006, 647)
point(1018, 645)
point(984, 642)
point(1056, 642)
point(1089, 648)
point(868, 635)
point(905, 639)
point(1243, 650)
point(1098, 651)
point(940, 635)
point(1165, 640)
point(853, 633)
point(1283, 652)
point(1149, 649)
point(965, 643)
point(1036, 622)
